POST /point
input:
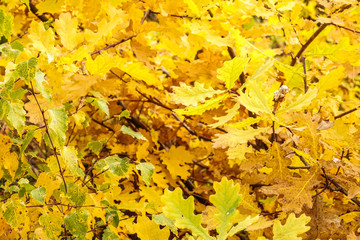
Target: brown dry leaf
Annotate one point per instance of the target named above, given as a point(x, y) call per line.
point(294, 193)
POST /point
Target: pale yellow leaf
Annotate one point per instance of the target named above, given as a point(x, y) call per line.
point(224, 119)
point(191, 96)
point(255, 100)
point(235, 136)
point(301, 102)
point(208, 105)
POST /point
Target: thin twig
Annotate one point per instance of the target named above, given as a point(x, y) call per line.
point(102, 124)
point(48, 133)
point(156, 101)
point(179, 16)
point(342, 190)
point(98, 159)
point(112, 45)
point(308, 42)
point(346, 113)
point(65, 205)
point(118, 76)
point(98, 174)
point(305, 81)
point(346, 28)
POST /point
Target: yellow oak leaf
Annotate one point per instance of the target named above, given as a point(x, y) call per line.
point(139, 71)
point(228, 117)
point(101, 65)
point(149, 230)
point(177, 160)
point(8, 159)
point(292, 228)
point(66, 27)
point(294, 193)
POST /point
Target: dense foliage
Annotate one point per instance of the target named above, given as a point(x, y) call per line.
point(179, 119)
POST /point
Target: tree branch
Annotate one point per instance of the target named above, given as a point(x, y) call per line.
point(48, 133)
point(342, 189)
point(308, 42)
point(346, 113)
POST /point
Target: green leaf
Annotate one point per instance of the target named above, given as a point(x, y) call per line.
point(69, 154)
point(28, 137)
point(39, 79)
point(147, 170)
point(11, 50)
point(14, 212)
point(16, 116)
point(77, 223)
point(231, 71)
point(124, 129)
point(293, 75)
point(242, 225)
point(292, 228)
point(39, 194)
point(52, 224)
point(95, 146)
point(27, 69)
point(125, 114)
point(99, 101)
point(5, 24)
point(226, 200)
point(58, 124)
point(117, 166)
point(17, 94)
point(77, 193)
point(182, 212)
point(17, 45)
point(4, 108)
point(161, 219)
point(208, 105)
point(109, 235)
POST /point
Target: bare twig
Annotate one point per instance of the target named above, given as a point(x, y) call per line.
point(98, 174)
point(342, 189)
point(346, 28)
point(48, 133)
point(102, 124)
point(156, 101)
point(65, 205)
point(305, 81)
point(112, 45)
